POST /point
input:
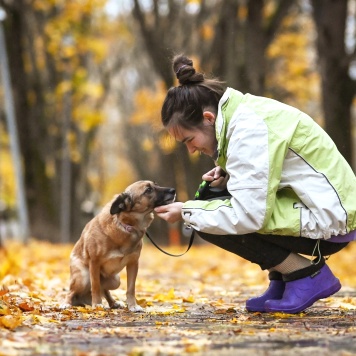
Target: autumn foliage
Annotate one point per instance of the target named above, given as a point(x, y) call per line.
point(206, 281)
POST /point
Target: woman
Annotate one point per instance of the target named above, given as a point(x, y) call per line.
point(292, 192)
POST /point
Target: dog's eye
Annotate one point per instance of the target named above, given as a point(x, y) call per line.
point(149, 190)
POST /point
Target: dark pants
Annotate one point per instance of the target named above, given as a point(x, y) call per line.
point(270, 250)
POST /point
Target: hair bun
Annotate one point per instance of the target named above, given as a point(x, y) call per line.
point(184, 70)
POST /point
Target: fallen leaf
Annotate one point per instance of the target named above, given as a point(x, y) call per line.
point(10, 321)
point(24, 306)
point(165, 297)
point(189, 299)
point(3, 291)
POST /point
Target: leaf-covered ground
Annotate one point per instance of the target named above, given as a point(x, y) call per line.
point(193, 305)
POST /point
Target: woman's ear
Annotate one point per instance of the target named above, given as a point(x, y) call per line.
point(209, 117)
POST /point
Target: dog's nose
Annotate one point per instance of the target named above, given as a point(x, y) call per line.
point(172, 191)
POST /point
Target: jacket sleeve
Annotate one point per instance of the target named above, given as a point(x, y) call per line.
point(248, 160)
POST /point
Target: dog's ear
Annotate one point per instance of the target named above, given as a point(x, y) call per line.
point(122, 203)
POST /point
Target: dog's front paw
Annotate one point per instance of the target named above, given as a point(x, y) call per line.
point(118, 305)
point(97, 306)
point(136, 309)
point(65, 306)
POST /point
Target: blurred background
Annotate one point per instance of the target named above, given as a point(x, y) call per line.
point(82, 83)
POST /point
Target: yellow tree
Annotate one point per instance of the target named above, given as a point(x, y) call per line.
point(291, 71)
point(57, 50)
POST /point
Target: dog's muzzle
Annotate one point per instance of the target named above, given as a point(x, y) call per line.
point(166, 196)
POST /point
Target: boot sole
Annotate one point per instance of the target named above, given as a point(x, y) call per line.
point(323, 294)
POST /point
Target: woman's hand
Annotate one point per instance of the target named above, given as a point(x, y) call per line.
point(171, 212)
point(217, 176)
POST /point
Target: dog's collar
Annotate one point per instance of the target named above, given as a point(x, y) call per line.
point(128, 228)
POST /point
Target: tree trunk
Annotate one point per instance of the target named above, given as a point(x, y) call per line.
point(31, 131)
point(338, 89)
point(39, 123)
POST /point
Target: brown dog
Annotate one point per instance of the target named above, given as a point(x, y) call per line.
point(111, 241)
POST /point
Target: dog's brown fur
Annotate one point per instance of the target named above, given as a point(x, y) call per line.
point(111, 241)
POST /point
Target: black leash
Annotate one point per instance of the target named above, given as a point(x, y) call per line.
point(169, 254)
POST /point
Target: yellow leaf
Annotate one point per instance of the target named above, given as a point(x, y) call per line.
point(38, 319)
point(190, 299)
point(160, 323)
point(142, 303)
point(11, 321)
point(167, 312)
point(3, 291)
point(4, 310)
point(234, 321)
point(192, 348)
point(83, 310)
point(165, 297)
point(178, 309)
point(283, 315)
point(36, 295)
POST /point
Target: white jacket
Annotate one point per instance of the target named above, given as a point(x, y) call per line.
point(286, 175)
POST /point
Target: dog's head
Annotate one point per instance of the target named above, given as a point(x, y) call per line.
point(142, 196)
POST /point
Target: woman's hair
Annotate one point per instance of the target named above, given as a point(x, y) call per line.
point(184, 104)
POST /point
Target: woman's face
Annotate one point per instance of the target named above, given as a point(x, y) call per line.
point(198, 139)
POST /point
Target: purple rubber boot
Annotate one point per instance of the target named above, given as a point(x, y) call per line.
point(302, 293)
point(274, 291)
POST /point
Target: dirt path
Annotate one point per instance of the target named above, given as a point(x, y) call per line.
point(193, 305)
